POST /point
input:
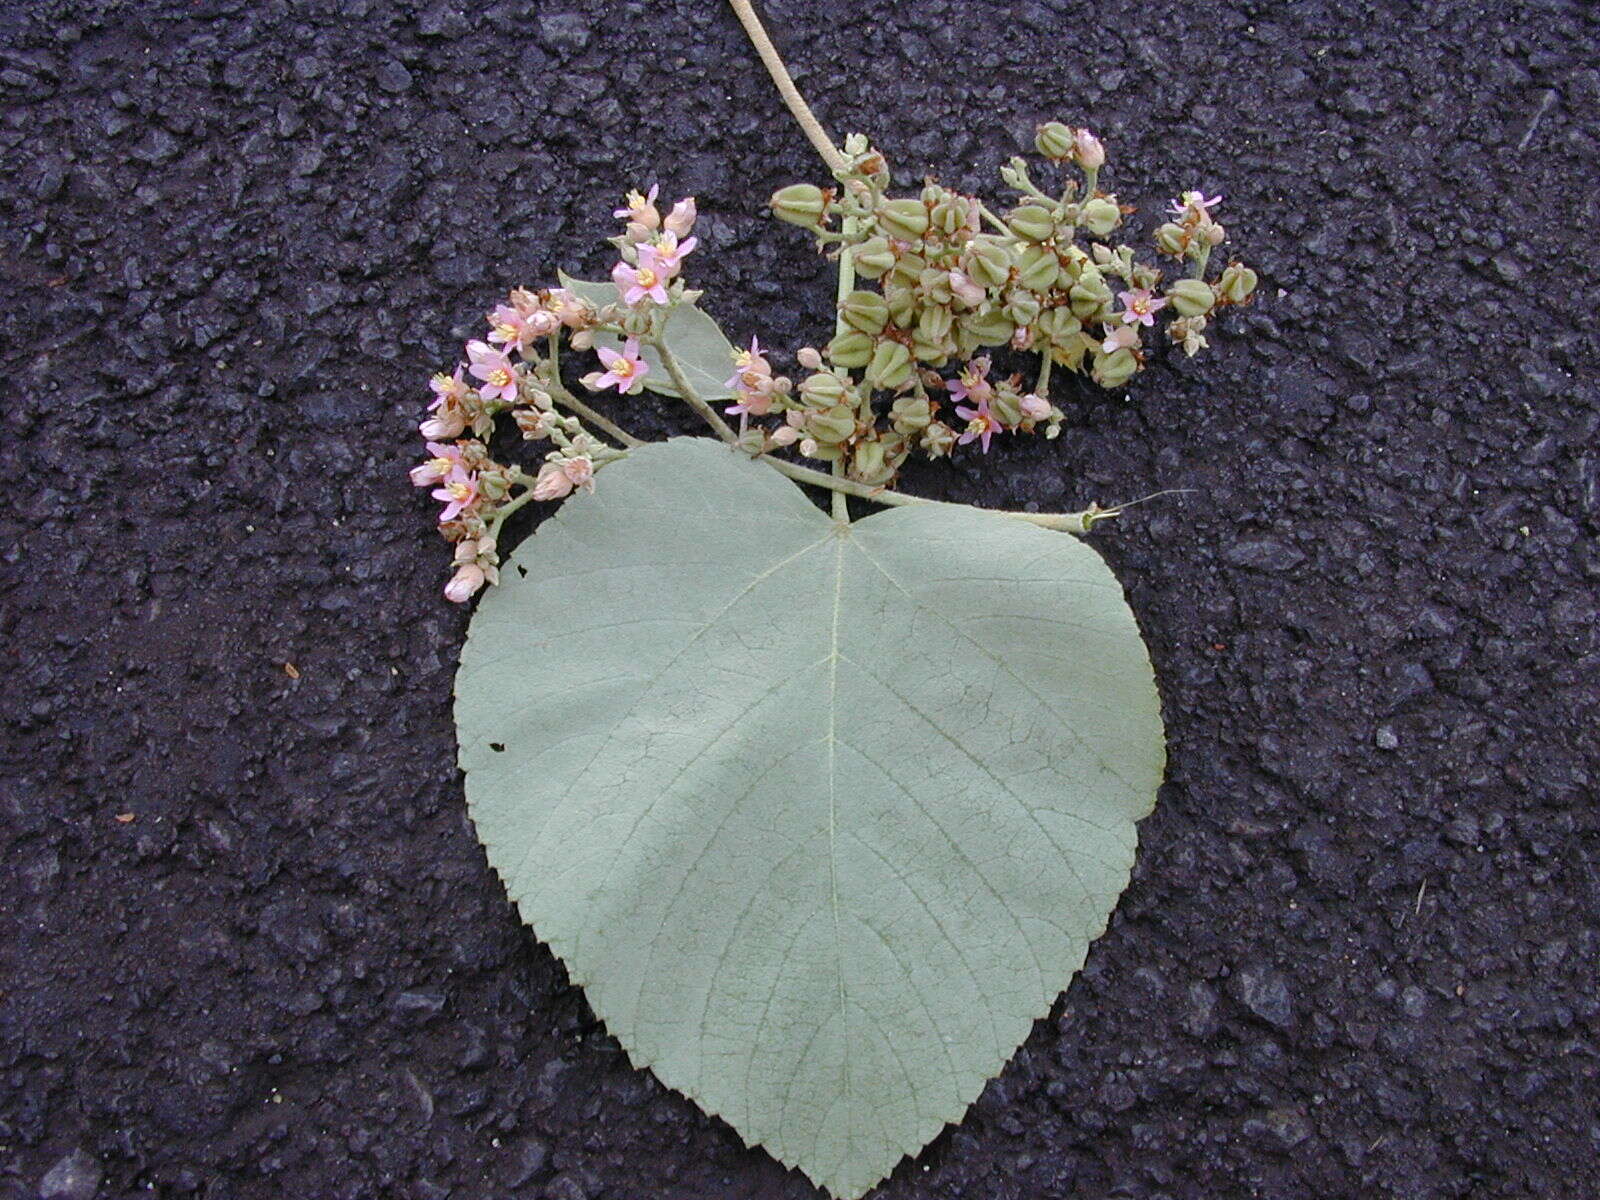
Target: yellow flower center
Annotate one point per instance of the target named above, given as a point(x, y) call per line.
point(623, 368)
point(500, 377)
point(646, 277)
point(441, 465)
point(458, 490)
point(507, 333)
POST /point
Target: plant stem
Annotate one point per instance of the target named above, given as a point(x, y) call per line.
point(690, 396)
point(1042, 387)
point(505, 510)
point(999, 226)
point(791, 95)
point(1079, 522)
point(1198, 270)
point(567, 400)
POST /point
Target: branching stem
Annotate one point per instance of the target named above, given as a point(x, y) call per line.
point(690, 396)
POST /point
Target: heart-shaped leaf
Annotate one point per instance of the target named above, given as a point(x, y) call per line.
point(821, 816)
point(704, 353)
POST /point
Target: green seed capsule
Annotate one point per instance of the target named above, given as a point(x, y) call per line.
point(1237, 283)
point(890, 366)
point(1032, 223)
point(1038, 268)
point(800, 204)
point(1053, 140)
point(872, 258)
point(833, 426)
point(850, 349)
point(1100, 215)
point(1114, 370)
point(987, 261)
point(1191, 297)
point(906, 219)
point(865, 311)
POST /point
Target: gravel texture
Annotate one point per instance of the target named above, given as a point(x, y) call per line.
point(249, 946)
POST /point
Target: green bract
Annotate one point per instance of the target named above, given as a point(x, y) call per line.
point(822, 816)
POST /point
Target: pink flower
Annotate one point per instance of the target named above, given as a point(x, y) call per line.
point(579, 470)
point(1194, 202)
point(624, 371)
point(973, 384)
point(448, 423)
point(647, 280)
point(459, 493)
point(1140, 306)
point(447, 387)
point(553, 482)
point(494, 369)
point(513, 328)
point(669, 252)
point(1036, 408)
point(469, 577)
point(681, 219)
point(446, 458)
point(1120, 337)
point(641, 208)
point(753, 382)
point(1087, 149)
point(981, 424)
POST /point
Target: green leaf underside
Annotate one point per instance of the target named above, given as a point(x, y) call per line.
point(704, 354)
point(821, 817)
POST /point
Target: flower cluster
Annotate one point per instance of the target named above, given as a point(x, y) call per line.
point(508, 372)
point(516, 370)
point(954, 279)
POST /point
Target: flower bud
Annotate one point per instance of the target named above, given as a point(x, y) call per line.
point(965, 290)
point(833, 426)
point(448, 423)
point(852, 348)
point(865, 311)
point(1087, 150)
point(890, 366)
point(1172, 239)
point(808, 358)
point(909, 414)
point(1236, 284)
point(1213, 234)
point(1037, 268)
point(1191, 297)
point(800, 204)
point(823, 390)
point(468, 579)
point(552, 483)
point(873, 257)
point(681, 219)
point(1114, 370)
point(1100, 215)
point(784, 435)
point(904, 219)
point(987, 261)
point(1053, 140)
point(1034, 407)
point(1032, 223)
